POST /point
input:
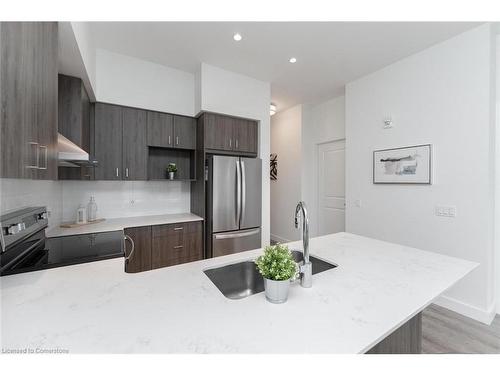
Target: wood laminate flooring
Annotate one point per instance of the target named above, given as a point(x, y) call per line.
point(445, 331)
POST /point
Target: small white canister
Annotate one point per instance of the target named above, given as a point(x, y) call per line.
point(81, 215)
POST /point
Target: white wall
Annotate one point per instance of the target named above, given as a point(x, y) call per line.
point(126, 198)
point(497, 176)
point(230, 93)
point(19, 193)
point(133, 82)
point(82, 34)
point(286, 129)
point(441, 96)
point(321, 122)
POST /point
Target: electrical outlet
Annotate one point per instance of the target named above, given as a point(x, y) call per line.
point(445, 211)
point(357, 202)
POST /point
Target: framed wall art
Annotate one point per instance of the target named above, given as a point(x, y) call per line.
point(274, 166)
point(404, 165)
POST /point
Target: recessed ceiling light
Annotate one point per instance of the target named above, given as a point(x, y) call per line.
point(272, 109)
point(237, 37)
point(293, 60)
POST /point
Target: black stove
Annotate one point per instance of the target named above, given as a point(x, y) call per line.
point(25, 247)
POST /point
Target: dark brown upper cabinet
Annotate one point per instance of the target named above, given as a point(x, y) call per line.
point(74, 111)
point(171, 131)
point(160, 129)
point(184, 132)
point(135, 153)
point(245, 136)
point(120, 143)
point(28, 135)
point(231, 135)
point(108, 141)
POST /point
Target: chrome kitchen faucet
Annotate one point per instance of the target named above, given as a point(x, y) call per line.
point(305, 269)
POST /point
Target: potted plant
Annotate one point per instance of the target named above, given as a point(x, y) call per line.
point(171, 169)
point(277, 266)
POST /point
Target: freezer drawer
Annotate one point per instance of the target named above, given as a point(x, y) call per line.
point(235, 242)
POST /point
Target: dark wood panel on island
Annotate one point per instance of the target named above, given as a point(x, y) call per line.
point(141, 258)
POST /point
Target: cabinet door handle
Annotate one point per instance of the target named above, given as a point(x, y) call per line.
point(45, 149)
point(37, 158)
point(169, 140)
point(177, 140)
point(126, 172)
point(178, 228)
point(127, 237)
point(178, 247)
point(117, 173)
point(230, 143)
point(236, 141)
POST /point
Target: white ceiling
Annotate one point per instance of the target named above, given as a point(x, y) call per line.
point(329, 54)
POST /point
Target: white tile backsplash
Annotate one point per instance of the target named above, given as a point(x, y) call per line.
point(126, 198)
point(114, 198)
point(18, 193)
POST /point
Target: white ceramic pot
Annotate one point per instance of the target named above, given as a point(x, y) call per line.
point(171, 175)
point(276, 291)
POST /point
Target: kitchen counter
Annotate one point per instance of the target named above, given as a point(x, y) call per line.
point(125, 222)
point(97, 308)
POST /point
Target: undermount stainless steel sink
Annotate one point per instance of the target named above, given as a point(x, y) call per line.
point(240, 280)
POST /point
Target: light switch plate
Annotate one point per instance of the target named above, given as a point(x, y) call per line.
point(445, 211)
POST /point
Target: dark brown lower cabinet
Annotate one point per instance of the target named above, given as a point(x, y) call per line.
point(407, 339)
point(176, 243)
point(163, 245)
point(141, 258)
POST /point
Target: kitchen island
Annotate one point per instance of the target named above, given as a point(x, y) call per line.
point(377, 288)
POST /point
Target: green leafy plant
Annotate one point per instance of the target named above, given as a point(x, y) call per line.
point(277, 263)
point(171, 167)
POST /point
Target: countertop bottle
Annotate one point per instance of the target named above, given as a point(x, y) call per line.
point(81, 215)
point(92, 209)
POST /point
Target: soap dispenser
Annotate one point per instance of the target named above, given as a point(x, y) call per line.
point(92, 210)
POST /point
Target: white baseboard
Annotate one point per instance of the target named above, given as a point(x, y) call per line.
point(279, 239)
point(462, 308)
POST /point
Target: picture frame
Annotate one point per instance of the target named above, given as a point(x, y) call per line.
point(274, 167)
point(403, 165)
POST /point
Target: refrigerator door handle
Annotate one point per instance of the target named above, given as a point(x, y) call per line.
point(238, 192)
point(243, 191)
point(246, 233)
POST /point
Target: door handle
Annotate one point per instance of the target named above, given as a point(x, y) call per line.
point(230, 143)
point(126, 172)
point(117, 173)
point(238, 192)
point(178, 228)
point(45, 148)
point(225, 236)
point(37, 158)
point(169, 140)
point(177, 140)
point(236, 143)
point(127, 237)
point(243, 191)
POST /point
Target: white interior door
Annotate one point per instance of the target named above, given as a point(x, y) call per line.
point(331, 184)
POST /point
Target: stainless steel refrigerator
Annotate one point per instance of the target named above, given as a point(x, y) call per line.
point(234, 202)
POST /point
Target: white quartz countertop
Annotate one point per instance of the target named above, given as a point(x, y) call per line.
point(98, 308)
point(124, 222)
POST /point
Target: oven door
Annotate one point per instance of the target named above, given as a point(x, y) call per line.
point(28, 255)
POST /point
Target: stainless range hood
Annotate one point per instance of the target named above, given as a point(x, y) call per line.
point(70, 155)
